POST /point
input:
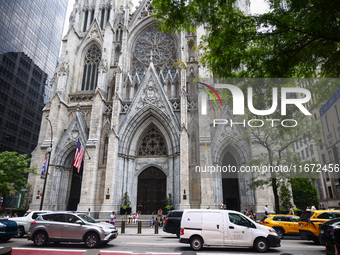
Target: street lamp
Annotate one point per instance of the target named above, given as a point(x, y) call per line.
point(48, 163)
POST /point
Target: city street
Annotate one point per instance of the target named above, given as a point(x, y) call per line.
point(162, 243)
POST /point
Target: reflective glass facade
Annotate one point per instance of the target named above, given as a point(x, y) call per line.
point(30, 35)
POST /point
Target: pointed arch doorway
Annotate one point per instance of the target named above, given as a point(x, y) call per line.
point(230, 184)
point(151, 189)
point(75, 189)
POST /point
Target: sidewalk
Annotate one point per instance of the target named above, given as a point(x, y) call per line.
point(132, 229)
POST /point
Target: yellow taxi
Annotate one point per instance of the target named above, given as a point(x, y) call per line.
point(284, 224)
point(310, 221)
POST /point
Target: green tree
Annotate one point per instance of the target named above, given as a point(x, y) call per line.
point(13, 172)
point(304, 193)
point(126, 203)
point(285, 197)
point(296, 38)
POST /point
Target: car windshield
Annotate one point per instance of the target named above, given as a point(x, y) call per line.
point(306, 215)
point(87, 218)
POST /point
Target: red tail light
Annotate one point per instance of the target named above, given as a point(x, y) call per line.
point(182, 231)
point(265, 222)
point(33, 222)
point(166, 221)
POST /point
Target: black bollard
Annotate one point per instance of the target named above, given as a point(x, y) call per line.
point(156, 226)
point(139, 227)
point(122, 231)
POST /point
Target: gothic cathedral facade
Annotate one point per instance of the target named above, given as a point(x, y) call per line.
point(120, 89)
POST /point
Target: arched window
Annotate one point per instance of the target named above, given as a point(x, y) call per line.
point(91, 62)
point(153, 144)
point(156, 46)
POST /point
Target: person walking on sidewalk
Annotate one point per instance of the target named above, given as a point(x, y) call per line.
point(113, 218)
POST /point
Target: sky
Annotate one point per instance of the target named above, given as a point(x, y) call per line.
point(256, 6)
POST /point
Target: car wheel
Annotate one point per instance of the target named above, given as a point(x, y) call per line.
point(40, 239)
point(21, 232)
point(261, 244)
point(91, 240)
point(279, 232)
point(196, 243)
point(178, 232)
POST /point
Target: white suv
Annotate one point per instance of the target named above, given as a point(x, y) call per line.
point(24, 222)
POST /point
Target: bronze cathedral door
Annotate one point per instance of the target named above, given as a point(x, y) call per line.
point(151, 190)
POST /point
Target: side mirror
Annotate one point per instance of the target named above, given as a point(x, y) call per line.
point(79, 222)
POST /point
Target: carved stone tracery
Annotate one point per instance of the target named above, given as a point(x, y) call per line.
point(153, 144)
point(154, 46)
point(150, 96)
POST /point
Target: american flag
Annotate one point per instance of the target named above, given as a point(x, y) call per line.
point(78, 158)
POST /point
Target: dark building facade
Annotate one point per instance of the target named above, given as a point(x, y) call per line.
point(30, 35)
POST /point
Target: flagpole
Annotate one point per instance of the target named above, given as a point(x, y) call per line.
point(48, 163)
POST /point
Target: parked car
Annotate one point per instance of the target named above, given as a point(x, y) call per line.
point(25, 222)
point(330, 232)
point(70, 227)
point(284, 224)
point(8, 229)
point(225, 228)
point(310, 221)
point(172, 223)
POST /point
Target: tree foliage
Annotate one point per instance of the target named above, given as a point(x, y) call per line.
point(285, 197)
point(13, 172)
point(304, 193)
point(296, 38)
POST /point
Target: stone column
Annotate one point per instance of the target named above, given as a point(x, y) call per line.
point(184, 147)
point(62, 76)
point(91, 158)
point(207, 183)
point(111, 202)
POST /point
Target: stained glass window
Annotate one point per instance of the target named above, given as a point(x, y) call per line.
point(156, 46)
point(153, 144)
point(91, 62)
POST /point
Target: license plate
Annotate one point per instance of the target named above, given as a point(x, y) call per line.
point(322, 231)
point(301, 225)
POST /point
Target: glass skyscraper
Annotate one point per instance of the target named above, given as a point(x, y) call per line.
point(30, 35)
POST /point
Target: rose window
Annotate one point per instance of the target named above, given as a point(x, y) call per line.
point(156, 46)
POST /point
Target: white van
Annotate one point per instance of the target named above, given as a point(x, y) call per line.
point(225, 228)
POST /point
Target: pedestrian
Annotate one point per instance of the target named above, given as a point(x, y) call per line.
point(160, 213)
point(113, 218)
point(161, 222)
point(6, 217)
point(139, 208)
point(291, 211)
point(266, 210)
point(130, 219)
point(308, 208)
point(313, 207)
point(152, 222)
point(246, 213)
point(89, 212)
point(135, 217)
point(254, 216)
